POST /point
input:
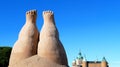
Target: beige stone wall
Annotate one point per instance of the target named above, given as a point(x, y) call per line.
point(84, 64)
point(94, 64)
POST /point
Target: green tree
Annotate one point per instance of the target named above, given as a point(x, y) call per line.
point(4, 56)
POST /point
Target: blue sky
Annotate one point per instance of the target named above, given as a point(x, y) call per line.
point(89, 26)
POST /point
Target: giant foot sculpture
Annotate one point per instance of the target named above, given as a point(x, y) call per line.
point(51, 52)
point(49, 46)
point(26, 45)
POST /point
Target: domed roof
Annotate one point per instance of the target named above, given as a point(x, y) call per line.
point(103, 59)
point(80, 57)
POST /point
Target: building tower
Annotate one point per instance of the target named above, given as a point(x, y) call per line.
point(74, 63)
point(104, 63)
point(79, 59)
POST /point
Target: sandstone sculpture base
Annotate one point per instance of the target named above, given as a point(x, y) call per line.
point(36, 61)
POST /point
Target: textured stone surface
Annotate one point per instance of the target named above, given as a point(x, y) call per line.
point(51, 52)
point(26, 45)
point(36, 61)
point(49, 46)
